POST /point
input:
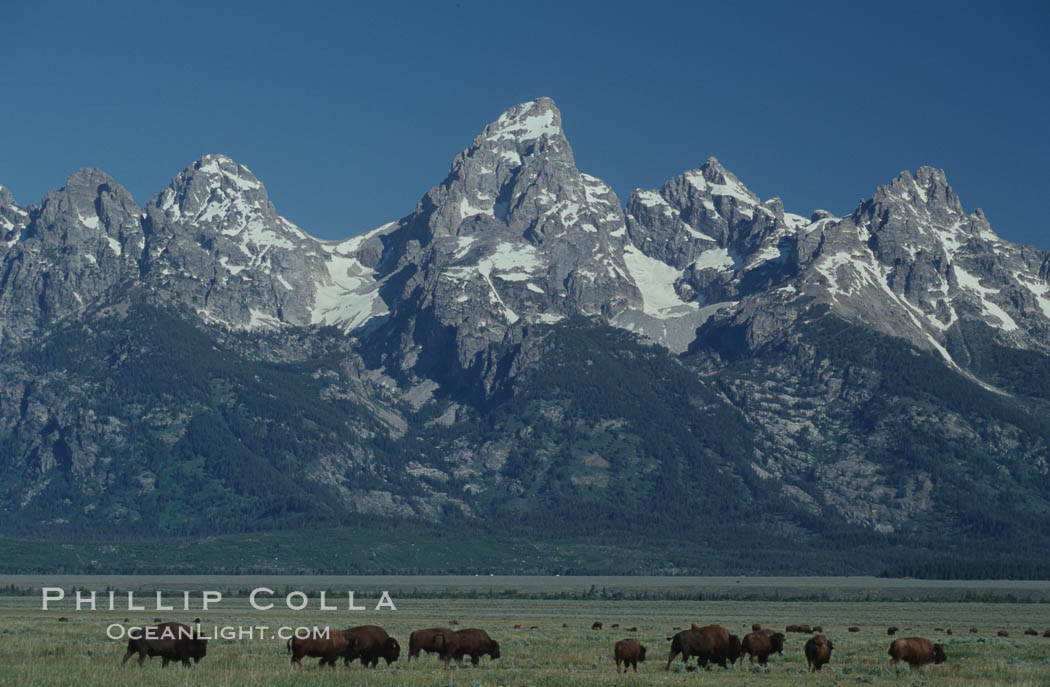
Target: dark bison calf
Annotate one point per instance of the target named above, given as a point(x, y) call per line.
point(170, 641)
point(432, 640)
point(370, 643)
point(818, 652)
point(471, 642)
point(761, 644)
point(915, 651)
point(630, 653)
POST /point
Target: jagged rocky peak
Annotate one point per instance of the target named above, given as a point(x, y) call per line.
point(91, 212)
point(13, 217)
point(519, 172)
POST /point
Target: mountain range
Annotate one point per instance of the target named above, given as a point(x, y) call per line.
point(524, 355)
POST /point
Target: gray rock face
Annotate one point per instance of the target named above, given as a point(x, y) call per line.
point(215, 243)
point(81, 242)
point(515, 235)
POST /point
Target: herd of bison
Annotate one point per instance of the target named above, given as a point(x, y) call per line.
point(710, 645)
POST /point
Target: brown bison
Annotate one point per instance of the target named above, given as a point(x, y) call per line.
point(1031, 631)
point(755, 627)
point(818, 652)
point(1046, 633)
point(1003, 633)
point(370, 643)
point(710, 643)
point(853, 628)
point(801, 629)
point(735, 652)
point(973, 630)
point(596, 626)
point(915, 651)
point(629, 652)
point(471, 642)
point(761, 644)
point(328, 648)
point(818, 628)
point(614, 626)
point(170, 641)
point(433, 641)
point(892, 630)
point(63, 619)
point(632, 629)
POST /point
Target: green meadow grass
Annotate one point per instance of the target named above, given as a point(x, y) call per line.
point(36, 649)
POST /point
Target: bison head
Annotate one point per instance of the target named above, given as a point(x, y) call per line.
point(198, 649)
point(494, 650)
point(641, 652)
point(776, 642)
point(938, 654)
point(391, 651)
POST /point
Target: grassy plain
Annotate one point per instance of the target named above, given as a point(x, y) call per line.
point(37, 650)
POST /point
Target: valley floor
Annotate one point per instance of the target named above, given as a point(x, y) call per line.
point(37, 649)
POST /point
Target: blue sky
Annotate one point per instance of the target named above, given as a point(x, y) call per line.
point(348, 112)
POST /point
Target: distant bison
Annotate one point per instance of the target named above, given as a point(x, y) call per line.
point(432, 640)
point(328, 648)
point(892, 630)
point(519, 626)
point(628, 652)
point(710, 643)
point(369, 643)
point(802, 629)
point(471, 642)
point(761, 644)
point(632, 629)
point(1031, 631)
point(853, 628)
point(596, 626)
point(818, 628)
point(614, 625)
point(63, 619)
point(1003, 633)
point(1046, 633)
point(170, 641)
point(818, 652)
point(973, 630)
point(915, 651)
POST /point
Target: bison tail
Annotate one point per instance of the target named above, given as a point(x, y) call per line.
point(289, 645)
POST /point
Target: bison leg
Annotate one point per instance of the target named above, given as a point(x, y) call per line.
point(634, 664)
point(126, 657)
point(475, 659)
point(165, 663)
point(674, 652)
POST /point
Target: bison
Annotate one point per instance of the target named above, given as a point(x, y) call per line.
point(915, 651)
point(596, 626)
point(708, 643)
point(1031, 631)
point(170, 641)
point(892, 630)
point(629, 652)
point(852, 628)
point(1046, 633)
point(735, 652)
point(755, 627)
point(818, 652)
point(328, 648)
point(1003, 633)
point(370, 643)
point(471, 642)
point(761, 644)
point(432, 640)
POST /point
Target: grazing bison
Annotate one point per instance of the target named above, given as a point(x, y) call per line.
point(818, 652)
point(973, 630)
point(1031, 631)
point(432, 641)
point(370, 643)
point(915, 651)
point(170, 641)
point(596, 626)
point(63, 619)
point(853, 628)
point(761, 644)
point(818, 629)
point(735, 652)
point(328, 649)
point(629, 652)
point(614, 625)
point(471, 642)
point(632, 629)
point(801, 629)
point(1003, 633)
point(892, 630)
point(708, 643)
